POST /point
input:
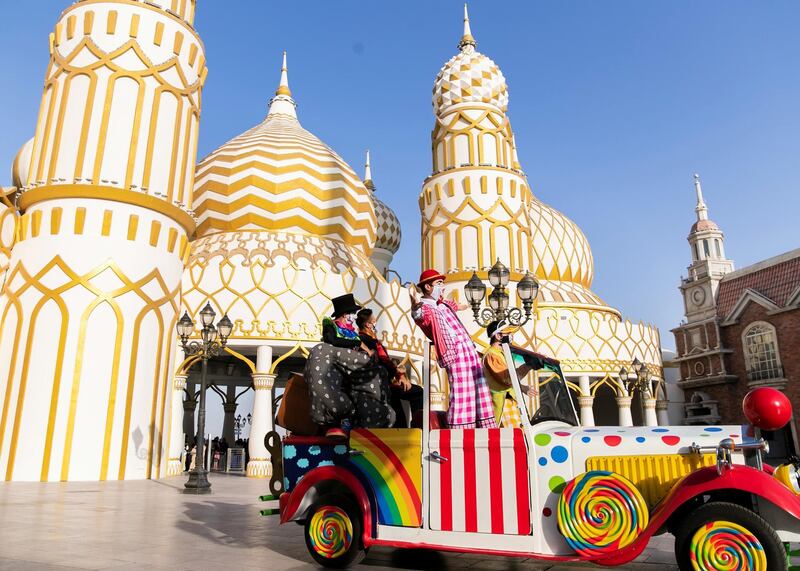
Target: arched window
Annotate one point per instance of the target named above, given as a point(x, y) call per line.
point(761, 352)
point(716, 246)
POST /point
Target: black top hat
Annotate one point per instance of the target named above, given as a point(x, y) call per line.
point(344, 304)
point(491, 329)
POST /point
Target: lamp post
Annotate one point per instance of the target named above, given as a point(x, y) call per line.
point(212, 342)
point(639, 381)
point(240, 422)
point(498, 300)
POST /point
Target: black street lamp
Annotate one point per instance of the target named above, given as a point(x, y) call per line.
point(208, 347)
point(639, 381)
point(240, 422)
point(498, 300)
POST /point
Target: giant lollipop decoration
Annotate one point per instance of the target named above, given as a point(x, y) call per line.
point(601, 512)
point(767, 408)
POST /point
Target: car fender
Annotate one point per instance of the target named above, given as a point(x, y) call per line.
point(702, 481)
point(292, 504)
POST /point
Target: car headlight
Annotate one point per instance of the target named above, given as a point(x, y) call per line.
point(788, 475)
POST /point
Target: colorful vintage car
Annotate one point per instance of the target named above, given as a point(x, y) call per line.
point(551, 489)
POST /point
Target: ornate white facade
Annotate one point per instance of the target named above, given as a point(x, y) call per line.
point(111, 228)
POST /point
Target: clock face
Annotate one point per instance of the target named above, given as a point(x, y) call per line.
point(698, 296)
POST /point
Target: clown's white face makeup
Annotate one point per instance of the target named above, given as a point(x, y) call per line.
point(438, 291)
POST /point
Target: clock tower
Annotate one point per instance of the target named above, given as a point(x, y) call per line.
point(709, 264)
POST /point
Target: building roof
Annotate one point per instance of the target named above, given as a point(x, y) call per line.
point(775, 279)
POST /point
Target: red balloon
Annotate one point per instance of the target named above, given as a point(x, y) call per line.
point(767, 408)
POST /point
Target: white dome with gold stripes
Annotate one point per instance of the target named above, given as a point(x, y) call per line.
point(469, 77)
point(560, 248)
point(389, 234)
point(278, 176)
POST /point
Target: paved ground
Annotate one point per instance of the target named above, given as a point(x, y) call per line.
point(150, 525)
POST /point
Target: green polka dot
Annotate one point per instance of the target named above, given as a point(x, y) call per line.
point(542, 439)
point(556, 484)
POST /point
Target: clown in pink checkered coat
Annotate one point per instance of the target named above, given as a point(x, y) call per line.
point(470, 398)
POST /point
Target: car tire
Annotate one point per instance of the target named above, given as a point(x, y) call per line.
point(744, 540)
point(333, 532)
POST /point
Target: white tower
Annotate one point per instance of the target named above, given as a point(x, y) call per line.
point(93, 288)
point(475, 205)
point(709, 264)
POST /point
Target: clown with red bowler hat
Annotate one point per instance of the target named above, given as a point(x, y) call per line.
point(470, 399)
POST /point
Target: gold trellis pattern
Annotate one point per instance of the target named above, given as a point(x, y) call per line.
point(164, 95)
point(56, 284)
point(8, 229)
point(277, 285)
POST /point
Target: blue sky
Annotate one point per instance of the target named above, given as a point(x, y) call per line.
point(614, 106)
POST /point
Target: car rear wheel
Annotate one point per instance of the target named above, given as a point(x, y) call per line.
point(720, 536)
point(333, 532)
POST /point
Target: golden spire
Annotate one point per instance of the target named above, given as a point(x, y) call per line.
point(466, 39)
point(368, 175)
point(283, 87)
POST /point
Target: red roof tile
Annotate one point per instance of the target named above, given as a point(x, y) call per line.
point(776, 282)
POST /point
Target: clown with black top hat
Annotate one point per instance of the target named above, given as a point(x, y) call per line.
point(345, 382)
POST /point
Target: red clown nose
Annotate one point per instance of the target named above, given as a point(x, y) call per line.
point(767, 408)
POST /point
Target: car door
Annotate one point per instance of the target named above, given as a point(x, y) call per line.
point(479, 481)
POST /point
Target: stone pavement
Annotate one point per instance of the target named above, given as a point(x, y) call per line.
point(150, 525)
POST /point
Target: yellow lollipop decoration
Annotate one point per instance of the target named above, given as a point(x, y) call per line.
point(600, 512)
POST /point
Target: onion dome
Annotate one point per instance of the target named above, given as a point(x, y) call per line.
point(21, 165)
point(388, 234)
point(279, 176)
point(559, 246)
point(469, 77)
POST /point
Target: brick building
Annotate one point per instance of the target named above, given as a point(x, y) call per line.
point(741, 331)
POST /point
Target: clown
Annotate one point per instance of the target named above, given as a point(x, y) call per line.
point(470, 400)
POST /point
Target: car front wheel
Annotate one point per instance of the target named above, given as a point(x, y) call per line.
point(720, 536)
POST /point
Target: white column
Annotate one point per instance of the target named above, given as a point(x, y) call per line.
point(174, 464)
point(586, 401)
point(229, 407)
point(662, 413)
point(624, 405)
point(259, 465)
point(650, 418)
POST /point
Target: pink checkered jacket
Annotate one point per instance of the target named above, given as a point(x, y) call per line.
point(435, 324)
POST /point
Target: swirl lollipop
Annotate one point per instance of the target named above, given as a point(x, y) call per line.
point(600, 512)
point(330, 531)
point(726, 546)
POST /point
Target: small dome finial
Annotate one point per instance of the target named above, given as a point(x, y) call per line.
point(701, 209)
point(466, 39)
point(283, 86)
point(368, 175)
point(283, 103)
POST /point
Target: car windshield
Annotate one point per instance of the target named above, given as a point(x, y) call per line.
point(555, 402)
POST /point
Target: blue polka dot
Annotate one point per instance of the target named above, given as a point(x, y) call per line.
point(340, 449)
point(302, 463)
point(325, 463)
point(592, 430)
point(661, 430)
point(640, 439)
point(586, 439)
point(713, 429)
point(285, 483)
point(559, 454)
point(314, 450)
point(542, 461)
point(289, 452)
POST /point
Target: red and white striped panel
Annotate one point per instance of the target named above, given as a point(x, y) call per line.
point(483, 487)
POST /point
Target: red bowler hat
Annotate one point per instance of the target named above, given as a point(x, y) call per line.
point(429, 276)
